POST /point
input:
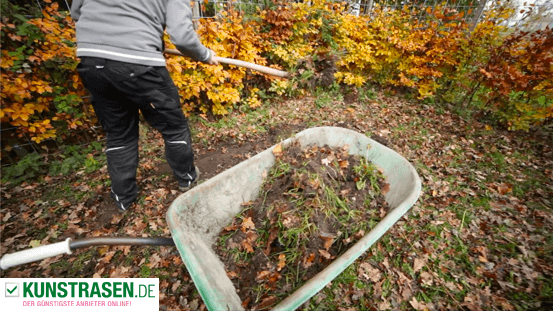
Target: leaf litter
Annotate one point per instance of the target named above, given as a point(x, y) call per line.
point(463, 210)
point(314, 204)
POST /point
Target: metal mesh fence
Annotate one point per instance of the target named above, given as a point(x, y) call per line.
point(14, 147)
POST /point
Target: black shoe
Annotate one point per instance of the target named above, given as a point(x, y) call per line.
point(187, 185)
point(122, 207)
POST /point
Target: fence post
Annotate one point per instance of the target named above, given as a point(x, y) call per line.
point(478, 15)
point(196, 9)
point(195, 14)
point(355, 7)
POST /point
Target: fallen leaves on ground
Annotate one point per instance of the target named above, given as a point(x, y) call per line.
point(478, 238)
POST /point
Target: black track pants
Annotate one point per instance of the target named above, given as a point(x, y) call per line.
point(119, 90)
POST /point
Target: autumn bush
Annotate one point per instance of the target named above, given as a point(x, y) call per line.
point(215, 89)
point(41, 91)
point(432, 51)
point(437, 56)
point(518, 79)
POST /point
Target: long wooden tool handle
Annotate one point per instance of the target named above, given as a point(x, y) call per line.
point(240, 63)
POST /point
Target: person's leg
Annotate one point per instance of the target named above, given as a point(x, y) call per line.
point(163, 111)
point(119, 119)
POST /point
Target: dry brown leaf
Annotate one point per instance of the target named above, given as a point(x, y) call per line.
point(418, 305)
point(384, 305)
point(281, 262)
point(451, 286)
point(426, 278)
point(251, 236)
point(372, 274)
point(419, 263)
point(327, 240)
point(153, 225)
point(277, 150)
point(230, 228)
point(108, 256)
point(406, 293)
point(275, 276)
point(232, 275)
point(247, 246)
point(247, 223)
point(7, 216)
point(155, 260)
point(120, 272)
point(267, 302)
point(385, 188)
point(246, 302)
point(102, 250)
point(98, 273)
point(325, 254)
point(262, 275)
point(290, 221)
point(116, 219)
point(344, 193)
point(308, 261)
point(504, 303)
point(504, 189)
point(174, 287)
point(315, 183)
point(360, 234)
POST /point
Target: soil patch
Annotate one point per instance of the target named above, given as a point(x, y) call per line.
point(315, 203)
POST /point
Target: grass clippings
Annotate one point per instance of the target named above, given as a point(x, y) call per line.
point(314, 204)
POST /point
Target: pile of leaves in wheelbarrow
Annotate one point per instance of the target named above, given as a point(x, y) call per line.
point(314, 204)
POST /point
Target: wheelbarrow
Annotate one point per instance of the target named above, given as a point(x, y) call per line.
point(196, 217)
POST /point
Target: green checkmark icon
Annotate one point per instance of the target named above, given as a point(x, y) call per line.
point(12, 290)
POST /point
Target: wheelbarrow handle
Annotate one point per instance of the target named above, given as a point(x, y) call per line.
point(67, 246)
point(35, 254)
point(240, 63)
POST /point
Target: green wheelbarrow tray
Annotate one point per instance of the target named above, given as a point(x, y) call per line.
point(196, 217)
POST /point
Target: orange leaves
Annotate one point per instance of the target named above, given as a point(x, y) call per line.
point(325, 254)
point(38, 61)
point(512, 75)
point(308, 260)
point(247, 223)
point(328, 240)
point(485, 73)
point(282, 20)
point(218, 88)
point(247, 246)
point(281, 262)
point(21, 111)
point(248, 227)
point(277, 150)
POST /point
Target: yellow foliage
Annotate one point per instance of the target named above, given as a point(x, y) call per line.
point(34, 79)
point(253, 99)
point(216, 88)
point(390, 48)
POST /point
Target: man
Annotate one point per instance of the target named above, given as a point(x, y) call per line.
point(120, 44)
